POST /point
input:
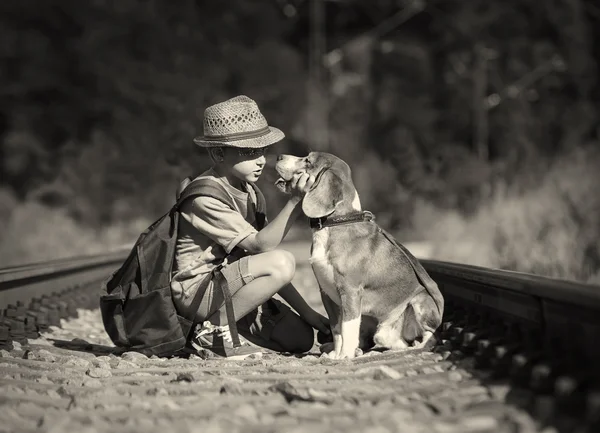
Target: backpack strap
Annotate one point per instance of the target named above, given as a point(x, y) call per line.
point(261, 207)
point(207, 188)
point(210, 188)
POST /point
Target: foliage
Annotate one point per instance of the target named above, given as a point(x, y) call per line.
point(36, 233)
point(550, 230)
point(443, 108)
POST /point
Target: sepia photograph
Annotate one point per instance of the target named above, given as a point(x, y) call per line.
point(300, 216)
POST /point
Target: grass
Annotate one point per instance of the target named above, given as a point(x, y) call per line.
point(37, 233)
point(551, 230)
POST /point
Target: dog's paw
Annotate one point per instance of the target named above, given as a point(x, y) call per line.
point(346, 354)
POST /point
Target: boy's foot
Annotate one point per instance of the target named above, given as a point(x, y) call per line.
point(217, 339)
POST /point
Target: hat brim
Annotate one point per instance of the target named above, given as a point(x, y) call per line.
point(273, 136)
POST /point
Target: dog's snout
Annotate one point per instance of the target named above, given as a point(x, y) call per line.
point(287, 165)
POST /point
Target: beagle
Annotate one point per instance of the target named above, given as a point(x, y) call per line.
point(375, 292)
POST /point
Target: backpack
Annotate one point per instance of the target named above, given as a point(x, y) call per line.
point(135, 301)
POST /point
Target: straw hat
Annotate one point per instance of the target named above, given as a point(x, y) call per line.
point(237, 122)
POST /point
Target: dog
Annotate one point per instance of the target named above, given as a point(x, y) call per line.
point(376, 293)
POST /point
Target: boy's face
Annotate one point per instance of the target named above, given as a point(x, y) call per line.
point(246, 164)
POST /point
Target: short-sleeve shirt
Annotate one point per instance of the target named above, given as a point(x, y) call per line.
point(208, 231)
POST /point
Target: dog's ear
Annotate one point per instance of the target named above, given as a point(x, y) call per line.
point(283, 186)
point(322, 199)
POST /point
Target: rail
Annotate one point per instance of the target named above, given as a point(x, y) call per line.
point(35, 296)
point(559, 317)
point(23, 283)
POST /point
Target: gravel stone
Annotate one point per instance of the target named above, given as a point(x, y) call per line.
point(455, 376)
point(134, 357)
point(266, 419)
point(92, 382)
point(101, 362)
point(43, 379)
point(184, 377)
point(40, 355)
point(74, 381)
point(377, 429)
point(77, 362)
point(445, 427)
point(53, 394)
point(17, 345)
point(311, 358)
point(232, 389)
point(99, 372)
point(499, 392)
point(246, 412)
point(169, 403)
point(158, 392)
point(479, 423)
point(123, 365)
point(384, 372)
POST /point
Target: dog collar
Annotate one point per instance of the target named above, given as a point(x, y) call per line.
point(319, 223)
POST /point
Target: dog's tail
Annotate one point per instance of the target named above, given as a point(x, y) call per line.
point(424, 278)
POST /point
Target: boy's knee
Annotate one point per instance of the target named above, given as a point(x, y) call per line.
point(302, 338)
point(283, 266)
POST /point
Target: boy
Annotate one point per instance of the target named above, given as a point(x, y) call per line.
point(211, 233)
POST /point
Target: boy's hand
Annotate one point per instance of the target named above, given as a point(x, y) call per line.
point(301, 184)
point(317, 321)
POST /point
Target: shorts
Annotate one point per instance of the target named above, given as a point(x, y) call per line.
point(258, 323)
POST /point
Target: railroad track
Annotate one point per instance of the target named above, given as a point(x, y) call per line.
point(517, 355)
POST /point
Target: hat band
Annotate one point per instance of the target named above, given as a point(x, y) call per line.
point(238, 135)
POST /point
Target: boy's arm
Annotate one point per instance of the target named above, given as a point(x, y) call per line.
point(295, 299)
point(271, 235)
point(297, 302)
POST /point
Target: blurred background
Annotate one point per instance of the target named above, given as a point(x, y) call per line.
point(470, 125)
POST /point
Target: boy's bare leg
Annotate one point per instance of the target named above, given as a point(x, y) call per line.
point(271, 271)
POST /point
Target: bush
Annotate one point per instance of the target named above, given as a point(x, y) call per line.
point(551, 230)
point(37, 233)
